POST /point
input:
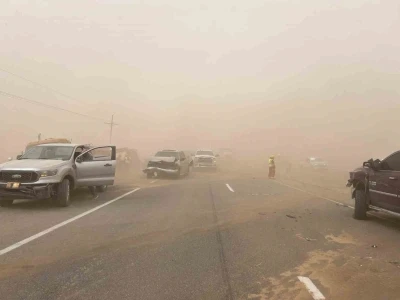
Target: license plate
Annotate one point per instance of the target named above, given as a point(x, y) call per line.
point(12, 185)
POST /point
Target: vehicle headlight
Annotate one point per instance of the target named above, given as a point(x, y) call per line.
point(47, 173)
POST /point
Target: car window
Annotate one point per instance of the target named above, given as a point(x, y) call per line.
point(78, 152)
point(392, 162)
point(98, 154)
point(202, 152)
point(167, 154)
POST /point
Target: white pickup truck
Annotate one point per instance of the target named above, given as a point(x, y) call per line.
point(53, 170)
point(205, 159)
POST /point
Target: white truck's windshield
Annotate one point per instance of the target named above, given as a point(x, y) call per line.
point(202, 152)
point(49, 152)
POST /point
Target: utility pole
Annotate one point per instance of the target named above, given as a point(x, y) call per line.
point(112, 124)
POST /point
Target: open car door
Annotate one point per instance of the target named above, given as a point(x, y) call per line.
point(96, 166)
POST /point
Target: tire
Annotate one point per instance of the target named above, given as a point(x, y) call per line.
point(360, 207)
point(178, 175)
point(149, 175)
point(101, 188)
point(6, 203)
point(63, 193)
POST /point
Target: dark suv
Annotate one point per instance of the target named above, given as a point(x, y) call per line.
point(376, 186)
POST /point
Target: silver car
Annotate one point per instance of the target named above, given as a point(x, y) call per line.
point(169, 162)
point(317, 163)
point(53, 170)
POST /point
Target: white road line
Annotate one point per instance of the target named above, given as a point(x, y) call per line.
point(44, 232)
point(230, 188)
point(154, 181)
point(312, 194)
point(313, 290)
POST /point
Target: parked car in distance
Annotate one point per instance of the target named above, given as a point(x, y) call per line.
point(169, 162)
point(54, 170)
point(316, 163)
point(376, 186)
point(205, 159)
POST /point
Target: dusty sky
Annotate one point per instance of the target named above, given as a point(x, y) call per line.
point(306, 77)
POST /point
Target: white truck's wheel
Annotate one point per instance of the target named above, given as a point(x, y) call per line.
point(63, 193)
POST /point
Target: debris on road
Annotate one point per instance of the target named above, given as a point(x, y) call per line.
point(305, 238)
point(374, 246)
point(290, 216)
point(341, 204)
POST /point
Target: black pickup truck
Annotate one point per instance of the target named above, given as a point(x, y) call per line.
point(376, 186)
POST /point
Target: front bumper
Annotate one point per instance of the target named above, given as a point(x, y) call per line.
point(153, 170)
point(349, 183)
point(26, 192)
point(352, 188)
point(204, 165)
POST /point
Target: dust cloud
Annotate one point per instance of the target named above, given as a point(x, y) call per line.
point(299, 78)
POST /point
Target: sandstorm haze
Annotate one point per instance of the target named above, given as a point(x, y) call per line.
point(310, 77)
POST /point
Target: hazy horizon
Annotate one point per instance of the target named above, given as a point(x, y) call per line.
point(295, 77)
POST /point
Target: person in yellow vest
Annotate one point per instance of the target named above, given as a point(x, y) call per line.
point(271, 165)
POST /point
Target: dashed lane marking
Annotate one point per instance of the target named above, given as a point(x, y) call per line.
point(230, 188)
point(312, 289)
point(44, 232)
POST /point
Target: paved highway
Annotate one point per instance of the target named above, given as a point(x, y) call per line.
point(209, 236)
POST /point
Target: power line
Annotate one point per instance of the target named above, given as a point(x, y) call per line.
point(49, 106)
point(53, 90)
point(38, 84)
point(112, 123)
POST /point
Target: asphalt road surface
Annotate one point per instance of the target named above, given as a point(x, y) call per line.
point(226, 235)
